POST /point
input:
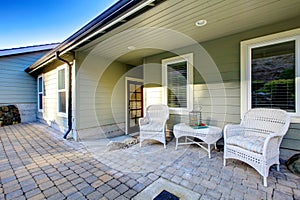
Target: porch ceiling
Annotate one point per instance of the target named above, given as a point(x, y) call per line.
point(224, 17)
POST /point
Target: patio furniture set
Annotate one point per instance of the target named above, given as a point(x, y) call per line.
point(255, 141)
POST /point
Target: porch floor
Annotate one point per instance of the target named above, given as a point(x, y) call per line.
point(36, 163)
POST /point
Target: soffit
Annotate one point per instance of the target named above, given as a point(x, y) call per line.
point(225, 17)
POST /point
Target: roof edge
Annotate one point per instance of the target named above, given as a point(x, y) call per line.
point(27, 49)
point(116, 10)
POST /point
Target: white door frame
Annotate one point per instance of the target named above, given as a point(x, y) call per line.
point(126, 99)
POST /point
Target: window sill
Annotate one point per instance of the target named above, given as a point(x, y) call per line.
point(295, 119)
point(179, 111)
point(62, 115)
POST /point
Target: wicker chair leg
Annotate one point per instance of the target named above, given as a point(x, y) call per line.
point(265, 181)
point(224, 162)
point(278, 168)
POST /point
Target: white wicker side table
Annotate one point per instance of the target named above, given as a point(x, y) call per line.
point(209, 136)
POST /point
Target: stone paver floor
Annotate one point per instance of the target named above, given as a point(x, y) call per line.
point(36, 163)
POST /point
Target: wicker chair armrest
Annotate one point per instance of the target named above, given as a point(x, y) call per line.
point(272, 143)
point(232, 130)
point(143, 121)
point(271, 135)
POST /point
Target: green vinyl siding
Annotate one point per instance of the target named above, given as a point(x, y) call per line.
point(110, 94)
point(100, 93)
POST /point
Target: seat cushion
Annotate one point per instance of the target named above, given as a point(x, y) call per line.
point(251, 143)
point(153, 126)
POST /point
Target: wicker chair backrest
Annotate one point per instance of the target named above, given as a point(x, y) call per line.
point(260, 121)
point(158, 112)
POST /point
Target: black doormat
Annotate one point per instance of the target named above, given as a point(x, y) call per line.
point(165, 195)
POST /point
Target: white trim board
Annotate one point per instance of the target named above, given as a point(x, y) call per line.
point(245, 75)
point(190, 93)
point(127, 78)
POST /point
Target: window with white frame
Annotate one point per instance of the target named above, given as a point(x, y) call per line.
point(178, 83)
point(62, 91)
point(40, 90)
point(270, 71)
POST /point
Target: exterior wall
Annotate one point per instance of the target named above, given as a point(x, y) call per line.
point(16, 86)
point(101, 96)
point(50, 115)
point(225, 52)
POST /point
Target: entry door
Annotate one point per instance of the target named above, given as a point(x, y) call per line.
point(135, 105)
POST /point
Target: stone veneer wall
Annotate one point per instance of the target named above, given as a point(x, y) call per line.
point(9, 115)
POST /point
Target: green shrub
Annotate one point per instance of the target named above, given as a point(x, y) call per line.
point(279, 85)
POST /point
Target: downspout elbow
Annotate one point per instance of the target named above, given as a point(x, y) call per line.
point(57, 56)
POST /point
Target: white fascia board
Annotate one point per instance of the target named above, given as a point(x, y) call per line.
point(29, 49)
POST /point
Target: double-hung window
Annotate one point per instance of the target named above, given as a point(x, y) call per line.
point(270, 72)
point(40, 90)
point(178, 83)
point(62, 90)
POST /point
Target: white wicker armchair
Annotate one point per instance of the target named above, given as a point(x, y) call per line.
point(152, 126)
point(256, 140)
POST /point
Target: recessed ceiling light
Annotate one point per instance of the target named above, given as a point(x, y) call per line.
point(131, 48)
point(201, 22)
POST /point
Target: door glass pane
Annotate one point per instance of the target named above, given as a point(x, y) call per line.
point(132, 96)
point(133, 114)
point(177, 84)
point(132, 87)
point(139, 113)
point(273, 76)
point(134, 105)
point(139, 89)
point(138, 96)
point(139, 105)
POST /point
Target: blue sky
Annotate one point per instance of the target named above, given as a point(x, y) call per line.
point(34, 22)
